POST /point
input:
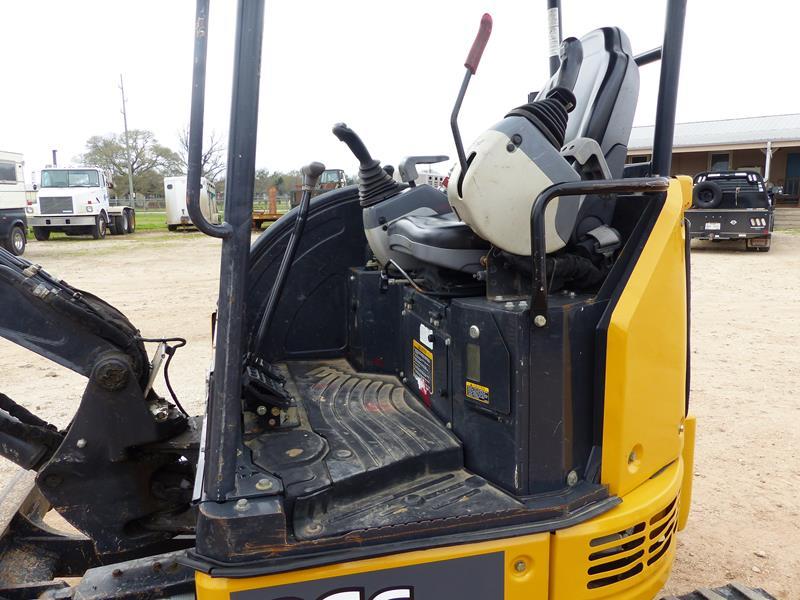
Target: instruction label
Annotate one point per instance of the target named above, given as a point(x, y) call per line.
point(478, 392)
point(422, 370)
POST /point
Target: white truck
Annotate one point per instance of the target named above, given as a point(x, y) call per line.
point(75, 201)
point(175, 202)
point(13, 221)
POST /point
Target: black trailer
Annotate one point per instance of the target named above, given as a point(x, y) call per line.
point(731, 205)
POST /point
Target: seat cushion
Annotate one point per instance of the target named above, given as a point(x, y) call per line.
point(441, 240)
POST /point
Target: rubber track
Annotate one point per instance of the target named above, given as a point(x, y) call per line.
point(732, 591)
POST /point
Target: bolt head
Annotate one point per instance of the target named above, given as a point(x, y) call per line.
point(572, 478)
point(263, 484)
point(520, 566)
point(81, 443)
point(276, 411)
point(241, 504)
point(261, 410)
point(540, 320)
point(474, 332)
point(447, 342)
point(313, 528)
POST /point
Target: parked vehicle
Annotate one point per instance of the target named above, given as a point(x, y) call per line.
point(175, 201)
point(75, 201)
point(732, 205)
point(13, 222)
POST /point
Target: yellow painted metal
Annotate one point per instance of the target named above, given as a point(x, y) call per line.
point(530, 551)
point(619, 543)
point(689, 429)
point(646, 358)
point(686, 189)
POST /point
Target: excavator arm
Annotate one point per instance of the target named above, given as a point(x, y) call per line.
point(122, 471)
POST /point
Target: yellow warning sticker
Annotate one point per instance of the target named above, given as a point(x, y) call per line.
point(422, 369)
point(477, 392)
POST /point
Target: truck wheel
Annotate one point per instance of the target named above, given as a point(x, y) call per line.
point(41, 234)
point(706, 194)
point(16, 240)
point(100, 227)
point(116, 226)
point(172, 227)
point(123, 229)
point(131, 220)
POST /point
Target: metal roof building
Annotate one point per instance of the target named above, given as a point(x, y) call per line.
point(768, 144)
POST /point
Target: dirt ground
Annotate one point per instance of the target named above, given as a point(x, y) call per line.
point(745, 522)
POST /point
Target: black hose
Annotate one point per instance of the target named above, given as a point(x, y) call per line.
point(170, 352)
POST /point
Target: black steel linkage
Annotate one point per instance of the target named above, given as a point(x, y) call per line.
point(574, 189)
point(554, 34)
point(668, 87)
point(650, 56)
point(194, 159)
point(311, 174)
point(224, 412)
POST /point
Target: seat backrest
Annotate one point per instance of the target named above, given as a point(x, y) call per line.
point(606, 92)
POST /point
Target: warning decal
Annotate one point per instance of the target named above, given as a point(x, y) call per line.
point(477, 392)
point(422, 361)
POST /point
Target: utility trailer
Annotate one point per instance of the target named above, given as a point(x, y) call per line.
point(175, 202)
point(732, 205)
point(13, 202)
point(75, 201)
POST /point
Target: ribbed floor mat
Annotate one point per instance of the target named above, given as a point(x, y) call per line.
point(371, 422)
point(368, 454)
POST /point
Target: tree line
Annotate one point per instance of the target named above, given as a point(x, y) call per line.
point(151, 161)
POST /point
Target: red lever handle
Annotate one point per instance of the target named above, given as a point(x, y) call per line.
point(475, 53)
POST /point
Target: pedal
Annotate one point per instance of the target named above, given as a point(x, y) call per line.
point(264, 394)
point(265, 367)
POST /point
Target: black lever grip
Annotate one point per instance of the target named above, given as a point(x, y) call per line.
point(311, 173)
point(350, 137)
point(571, 56)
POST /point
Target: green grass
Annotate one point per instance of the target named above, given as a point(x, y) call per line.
point(151, 221)
point(145, 221)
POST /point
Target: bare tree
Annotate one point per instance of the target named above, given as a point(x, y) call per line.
point(212, 159)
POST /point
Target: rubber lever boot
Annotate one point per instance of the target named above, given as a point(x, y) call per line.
point(375, 184)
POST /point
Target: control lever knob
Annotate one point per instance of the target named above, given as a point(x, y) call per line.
point(311, 173)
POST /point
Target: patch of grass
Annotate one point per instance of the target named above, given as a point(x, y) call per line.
point(145, 221)
point(151, 221)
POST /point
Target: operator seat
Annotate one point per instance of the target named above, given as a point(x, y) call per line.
point(606, 91)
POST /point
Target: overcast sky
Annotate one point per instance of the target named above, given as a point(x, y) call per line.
point(390, 70)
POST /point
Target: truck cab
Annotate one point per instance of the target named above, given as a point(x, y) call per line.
point(13, 221)
point(75, 201)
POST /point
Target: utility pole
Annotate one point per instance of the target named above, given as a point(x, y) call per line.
point(127, 143)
